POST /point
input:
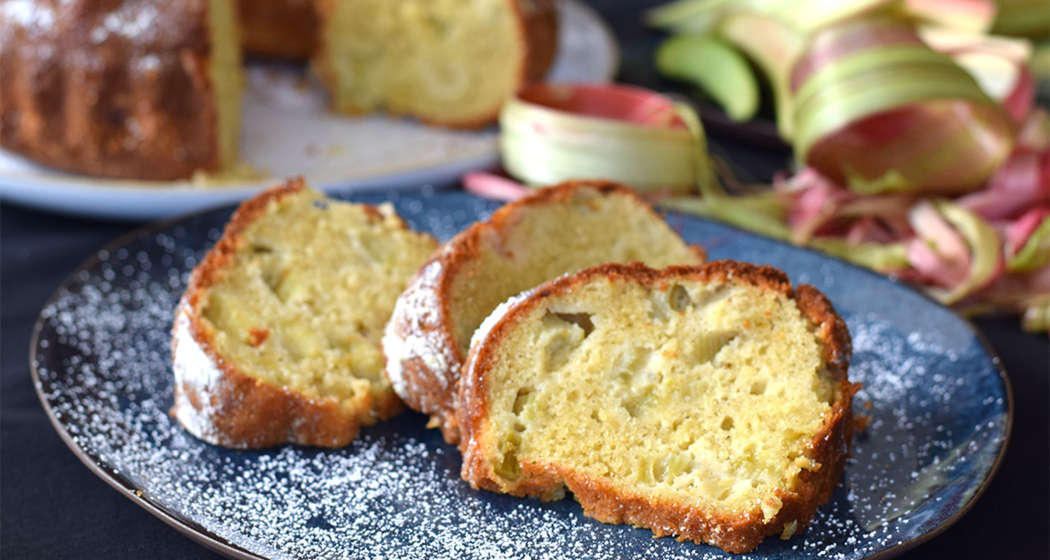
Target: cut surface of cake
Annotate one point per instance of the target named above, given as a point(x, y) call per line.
point(447, 62)
point(556, 230)
point(135, 89)
point(710, 403)
point(277, 336)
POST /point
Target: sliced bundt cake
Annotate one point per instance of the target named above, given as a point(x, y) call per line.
point(136, 89)
point(554, 231)
point(446, 62)
point(710, 403)
point(277, 336)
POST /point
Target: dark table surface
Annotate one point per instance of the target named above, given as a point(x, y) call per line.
point(52, 506)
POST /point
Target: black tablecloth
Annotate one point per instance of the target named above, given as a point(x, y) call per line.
point(51, 506)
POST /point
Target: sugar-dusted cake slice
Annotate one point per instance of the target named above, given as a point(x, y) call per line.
point(710, 403)
point(277, 336)
point(555, 231)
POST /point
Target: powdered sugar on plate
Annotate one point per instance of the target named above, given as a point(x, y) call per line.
point(939, 416)
point(414, 334)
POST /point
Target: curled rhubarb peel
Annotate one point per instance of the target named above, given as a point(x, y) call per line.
point(1022, 183)
point(493, 187)
point(555, 133)
point(760, 214)
point(1028, 245)
point(718, 68)
point(882, 257)
point(774, 47)
point(1006, 80)
point(986, 260)
point(877, 110)
point(970, 16)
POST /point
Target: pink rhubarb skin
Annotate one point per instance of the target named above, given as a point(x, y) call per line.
point(938, 252)
point(1023, 182)
point(1018, 232)
point(614, 102)
point(494, 187)
point(954, 147)
point(938, 255)
point(819, 207)
point(1021, 98)
point(948, 146)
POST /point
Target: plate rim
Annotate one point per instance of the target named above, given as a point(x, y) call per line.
point(114, 479)
point(222, 546)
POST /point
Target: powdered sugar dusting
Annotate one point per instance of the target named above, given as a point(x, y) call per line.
point(501, 310)
point(194, 369)
point(103, 362)
point(131, 21)
point(415, 332)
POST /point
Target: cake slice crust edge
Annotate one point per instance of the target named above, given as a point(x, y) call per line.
point(604, 500)
point(222, 405)
point(421, 354)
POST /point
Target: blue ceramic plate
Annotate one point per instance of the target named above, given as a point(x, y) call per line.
point(939, 406)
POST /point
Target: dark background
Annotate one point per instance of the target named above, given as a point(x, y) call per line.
point(54, 507)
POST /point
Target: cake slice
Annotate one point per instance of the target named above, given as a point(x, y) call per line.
point(710, 403)
point(277, 336)
point(445, 62)
point(556, 230)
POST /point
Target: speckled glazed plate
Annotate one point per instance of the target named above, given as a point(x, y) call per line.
point(940, 415)
point(288, 130)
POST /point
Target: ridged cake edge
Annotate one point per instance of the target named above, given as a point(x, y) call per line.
point(57, 108)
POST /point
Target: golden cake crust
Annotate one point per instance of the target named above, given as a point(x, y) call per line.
point(222, 405)
point(280, 29)
point(606, 502)
point(111, 89)
point(429, 372)
point(537, 29)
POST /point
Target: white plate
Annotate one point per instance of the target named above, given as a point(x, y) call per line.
point(288, 130)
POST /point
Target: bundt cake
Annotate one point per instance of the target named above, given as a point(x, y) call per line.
point(278, 29)
point(554, 231)
point(445, 62)
point(151, 89)
point(138, 89)
point(710, 403)
point(277, 336)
